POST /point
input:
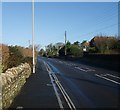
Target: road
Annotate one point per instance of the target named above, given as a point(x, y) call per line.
point(87, 87)
point(65, 84)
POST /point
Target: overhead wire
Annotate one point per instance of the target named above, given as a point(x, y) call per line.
point(106, 18)
point(101, 21)
point(99, 29)
point(110, 12)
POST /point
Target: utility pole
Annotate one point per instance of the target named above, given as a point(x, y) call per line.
point(65, 45)
point(29, 43)
point(33, 36)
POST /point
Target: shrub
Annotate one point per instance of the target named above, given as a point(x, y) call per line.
point(4, 55)
point(11, 56)
point(29, 60)
point(1, 68)
point(92, 50)
point(16, 57)
point(75, 50)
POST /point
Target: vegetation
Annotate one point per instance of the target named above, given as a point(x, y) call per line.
point(14, 55)
point(15, 58)
point(97, 45)
point(1, 68)
point(51, 50)
point(105, 45)
point(75, 50)
point(58, 49)
point(4, 55)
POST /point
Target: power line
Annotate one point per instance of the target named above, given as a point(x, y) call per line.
point(105, 19)
point(108, 19)
point(106, 13)
point(99, 29)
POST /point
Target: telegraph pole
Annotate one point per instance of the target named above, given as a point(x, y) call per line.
point(65, 45)
point(29, 43)
point(33, 36)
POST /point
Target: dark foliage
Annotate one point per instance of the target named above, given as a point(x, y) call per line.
point(15, 58)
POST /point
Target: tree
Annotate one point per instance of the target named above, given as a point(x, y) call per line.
point(36, 46)
point(92, 50)
point(62, 51)
point(77, 43)
point(4, 56)
point(16, 56)
point(118, 44)
point(75, 50)
point(51, 50)
point(41, 52)
point(72, 50)
point(68, 44)
point(58, 46)
point(104, 44)
point(49, 47)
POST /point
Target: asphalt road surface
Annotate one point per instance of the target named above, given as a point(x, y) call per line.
point(65, 84)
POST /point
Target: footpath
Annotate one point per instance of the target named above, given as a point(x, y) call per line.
point(37, 92)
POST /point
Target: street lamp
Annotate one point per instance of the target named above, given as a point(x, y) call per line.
point(33, 36)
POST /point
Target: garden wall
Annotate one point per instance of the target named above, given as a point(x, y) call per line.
point(11, 83)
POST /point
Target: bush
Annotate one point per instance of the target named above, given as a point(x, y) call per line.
point(4, 56)
point(92, 50)
point(75, 50)
point(16, 57)
point(13, 56)
point(104, 44)
point(1, 68)
point(29, 60)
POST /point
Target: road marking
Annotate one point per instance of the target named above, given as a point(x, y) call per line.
point(107, 79)
point(19, 107)
point(65, 95)
point(49, 84)
point(52, 81)
point(90, 69)
point(80, 69)
point(83, 69)
point(113, 76)
point(72, 64)
point(67, 98)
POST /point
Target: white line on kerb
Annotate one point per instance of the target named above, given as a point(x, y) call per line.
point(107, 79)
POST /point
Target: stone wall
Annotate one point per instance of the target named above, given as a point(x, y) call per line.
point(11, 83)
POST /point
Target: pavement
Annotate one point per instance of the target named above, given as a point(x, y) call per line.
point(37, 92)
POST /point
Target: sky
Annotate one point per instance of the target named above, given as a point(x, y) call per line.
point(81, 20)
point(61, 0)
